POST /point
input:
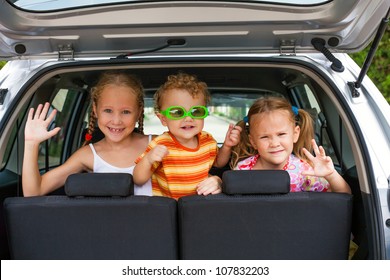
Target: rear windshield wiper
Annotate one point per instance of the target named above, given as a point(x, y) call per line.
point(169, 43)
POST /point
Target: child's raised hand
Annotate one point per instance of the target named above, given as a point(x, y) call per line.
point(212, 185)
point(157, 153)
point(232, 136)
point(321, 163)
point(37, 124)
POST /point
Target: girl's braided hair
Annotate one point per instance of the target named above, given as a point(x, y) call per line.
point(118, 78)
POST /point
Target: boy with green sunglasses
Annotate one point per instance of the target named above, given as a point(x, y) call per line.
point(179, 160)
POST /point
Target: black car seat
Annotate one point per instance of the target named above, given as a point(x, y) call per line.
point(257, 217)
point(359, 225)
point(97, 219)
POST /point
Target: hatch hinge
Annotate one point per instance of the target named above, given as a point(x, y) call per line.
point(354, 89)
point(287, 47)
point(319, 45)
point(65, 52)
point(3, 93)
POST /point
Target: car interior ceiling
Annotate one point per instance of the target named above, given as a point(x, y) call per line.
point(223, 77)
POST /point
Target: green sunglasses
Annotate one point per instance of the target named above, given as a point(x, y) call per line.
point(178, 112)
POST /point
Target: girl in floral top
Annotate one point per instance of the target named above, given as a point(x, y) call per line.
point(280, 136)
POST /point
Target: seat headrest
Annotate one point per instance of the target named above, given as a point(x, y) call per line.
point(255, 182)
point(99, 184)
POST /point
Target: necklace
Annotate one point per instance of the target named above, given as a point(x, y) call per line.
point(286, 165)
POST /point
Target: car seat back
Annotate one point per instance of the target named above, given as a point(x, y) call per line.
point(262, 224)
point(97, 220)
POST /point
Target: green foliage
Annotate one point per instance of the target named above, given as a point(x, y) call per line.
point(379, 71)
point(2, 63)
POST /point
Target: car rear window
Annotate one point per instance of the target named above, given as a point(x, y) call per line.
point(226, 107)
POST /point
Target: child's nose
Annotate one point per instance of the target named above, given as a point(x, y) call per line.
point(117, 118)
point(274, 141)
point(188, 118)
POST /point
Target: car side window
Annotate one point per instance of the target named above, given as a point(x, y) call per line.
point(306, 99)
point(51, 152)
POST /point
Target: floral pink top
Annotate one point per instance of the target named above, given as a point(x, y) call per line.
point(294, 167)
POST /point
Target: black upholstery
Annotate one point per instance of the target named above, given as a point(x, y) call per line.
point(257, 226)
point(61, 227)
point(249, 182)
point(279, 226)
point(359, 225)
point(99, 184)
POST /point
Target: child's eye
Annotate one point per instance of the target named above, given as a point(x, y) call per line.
point(282, 134)
point(126, 112)
point(263, 137)
point(107, 111)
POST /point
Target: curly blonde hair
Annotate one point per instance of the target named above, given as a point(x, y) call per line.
point(188, 82)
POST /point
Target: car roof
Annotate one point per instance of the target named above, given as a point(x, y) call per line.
point(188, 27)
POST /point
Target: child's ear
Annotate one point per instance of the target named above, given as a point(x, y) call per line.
point(163, 119)
point(94, 109)
point(253, 144)
point(297, 132)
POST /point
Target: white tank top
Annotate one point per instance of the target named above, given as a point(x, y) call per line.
point(101, 166)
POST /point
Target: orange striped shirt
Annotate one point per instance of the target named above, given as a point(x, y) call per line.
point(182, 169)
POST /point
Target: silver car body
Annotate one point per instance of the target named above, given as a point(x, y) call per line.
point(40, 45)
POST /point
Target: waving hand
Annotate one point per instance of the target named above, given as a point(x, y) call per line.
point(321, 163)
point(37, 124)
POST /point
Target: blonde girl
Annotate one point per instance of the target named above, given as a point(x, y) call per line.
point(117, 106)
point(277, 135)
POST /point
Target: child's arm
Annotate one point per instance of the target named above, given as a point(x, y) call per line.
point(143, 169)
point(323, 167)
point(35, 132)
point(232, 139)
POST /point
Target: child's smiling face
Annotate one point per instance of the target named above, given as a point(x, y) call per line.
point(273, 135)
point(186, 129)
point(117, 112)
